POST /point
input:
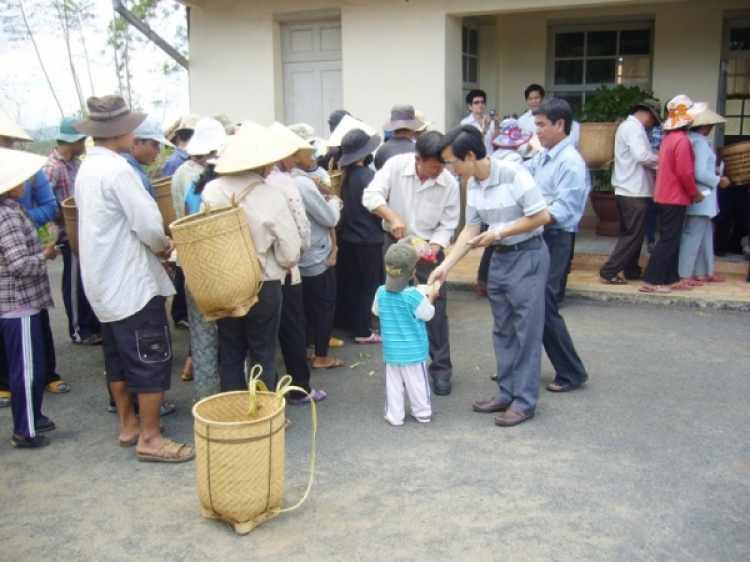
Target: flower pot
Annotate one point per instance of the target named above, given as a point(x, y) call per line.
point(605, 207)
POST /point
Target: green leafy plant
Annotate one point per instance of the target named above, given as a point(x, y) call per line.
point(610, 105)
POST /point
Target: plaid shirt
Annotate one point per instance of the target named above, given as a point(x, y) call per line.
point(62, 175)
point(23, 269)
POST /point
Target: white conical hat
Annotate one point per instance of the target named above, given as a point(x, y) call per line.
point(16, 166)
point(252, 147)
point(708, 117)
point(285, 132)
point(349, 123)
point(9, 128)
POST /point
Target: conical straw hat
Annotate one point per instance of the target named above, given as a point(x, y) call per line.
point(285, 132)
point(349, 123)
point(708, 117)
point(252, 147)
point(16, 167)
point(9, 128)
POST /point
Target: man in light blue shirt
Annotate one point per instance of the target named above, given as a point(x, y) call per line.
point(560, 173)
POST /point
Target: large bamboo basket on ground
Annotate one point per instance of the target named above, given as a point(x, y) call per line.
point(597, 144)
point(239, 460)
point(736, 158)
point(70, 216)
point(218, 257)
point(163, 189)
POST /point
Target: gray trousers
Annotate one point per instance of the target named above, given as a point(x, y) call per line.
point(515, 288)
point(633, 215)
point(696, 247)
point(437, 328)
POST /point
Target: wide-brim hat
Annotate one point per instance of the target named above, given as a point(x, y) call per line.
point(184, 123)
point(109, 116)
point(209, 135)
point(425, 123)
point(682, 111)
point(11, 129)
point(349, 123)
point(708, 117)
point(67, 132)
point(293, 137)
point(356, 145)
point(511, 135)
point(402, 117)
point(16, 166)
point(253, 146)
point(650, 105)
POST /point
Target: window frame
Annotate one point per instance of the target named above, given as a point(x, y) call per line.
point(553, 29)
point(465, 55)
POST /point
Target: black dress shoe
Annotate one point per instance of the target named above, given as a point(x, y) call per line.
point(489, 406)
point(512, 417)
point(442, 387)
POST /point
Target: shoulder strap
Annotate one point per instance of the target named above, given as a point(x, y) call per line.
point(236, 199)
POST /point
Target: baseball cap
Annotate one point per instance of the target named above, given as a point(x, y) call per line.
point(151, 129)
point(400, 261)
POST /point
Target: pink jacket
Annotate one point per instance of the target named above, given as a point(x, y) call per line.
point(675, 178)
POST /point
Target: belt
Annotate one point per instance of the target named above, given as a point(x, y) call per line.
point(530, 244)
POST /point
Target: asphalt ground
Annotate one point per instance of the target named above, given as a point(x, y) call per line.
point(650, 461)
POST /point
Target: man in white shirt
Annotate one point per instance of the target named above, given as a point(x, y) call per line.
point(122, 244)
point(476, 101)
point(415, 195)
point(633, 180)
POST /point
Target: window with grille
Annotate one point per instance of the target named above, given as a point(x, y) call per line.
point(470, 57)
point(582, 58)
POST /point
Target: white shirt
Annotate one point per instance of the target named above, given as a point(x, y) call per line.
point(469, 120)
point(430, 210)
point(526, 122)
point(119, 229)
point(635, 162)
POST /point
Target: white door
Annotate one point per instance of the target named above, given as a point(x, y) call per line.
point(311, 54)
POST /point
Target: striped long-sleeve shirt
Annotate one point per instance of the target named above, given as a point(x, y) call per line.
point(402, 325)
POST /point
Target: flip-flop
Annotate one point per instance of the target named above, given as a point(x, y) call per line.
point(57, 387)
point(660, 289)
point(91, 340)
point(565, 387)
point(32, 443)
point(335, 365)
point(187, 377)
point(167, 453)
point(710, 279)
point(4, 398)
point(316, 395)
point(166, 409)
point(682, 286)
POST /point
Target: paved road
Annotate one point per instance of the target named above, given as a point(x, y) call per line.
point(650, 461)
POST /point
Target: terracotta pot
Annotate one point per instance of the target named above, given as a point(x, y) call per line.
point(605, 207)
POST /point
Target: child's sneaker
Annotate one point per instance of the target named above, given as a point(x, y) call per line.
point(421, 419)
point(394, 423)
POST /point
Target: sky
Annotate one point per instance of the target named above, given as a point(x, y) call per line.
point(25, 95)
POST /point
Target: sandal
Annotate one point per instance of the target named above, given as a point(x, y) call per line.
point(660, 289)
point(616, 280)
point(334, 365)
point(92, 340)
point(166, 409)
point(168, 452)
point(682, 286)
point(372, 338)
point(31, 443)
point(693, 283)
point(187, 377)
point(710, 279)
point(315, 395)
point(57, 387)
point(4, 398)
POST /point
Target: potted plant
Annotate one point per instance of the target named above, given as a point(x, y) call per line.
point(601, 115)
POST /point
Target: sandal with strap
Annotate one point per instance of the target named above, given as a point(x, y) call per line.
point(372, 338)
point(168, 452)
point(710, 279)
point(660, 289)
point(335, 365)
point(57, 387)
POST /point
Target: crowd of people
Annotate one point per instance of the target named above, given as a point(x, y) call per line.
point(332, 253)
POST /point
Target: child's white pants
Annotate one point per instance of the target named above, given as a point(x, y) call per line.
point(415, 379)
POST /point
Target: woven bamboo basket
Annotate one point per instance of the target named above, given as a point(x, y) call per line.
point(335, 175)
point(217, 255)
point(70, 216)
point(597, 144)
point(239, 460)
point(163, 189)
point(736, 158)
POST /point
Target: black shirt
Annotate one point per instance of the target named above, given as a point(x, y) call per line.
point(395, 145)
point(359, 226)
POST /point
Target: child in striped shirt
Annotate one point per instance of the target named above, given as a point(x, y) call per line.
point(403, 311)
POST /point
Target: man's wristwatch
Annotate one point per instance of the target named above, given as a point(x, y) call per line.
point(498, 235)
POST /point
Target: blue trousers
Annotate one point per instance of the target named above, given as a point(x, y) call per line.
point(24, 346)
point(515, 287)
point(557, 341)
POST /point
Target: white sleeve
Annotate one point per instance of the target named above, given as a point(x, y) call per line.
point(425, 311)
point(375, 307)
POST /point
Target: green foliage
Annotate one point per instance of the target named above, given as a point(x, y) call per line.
point(609, 105)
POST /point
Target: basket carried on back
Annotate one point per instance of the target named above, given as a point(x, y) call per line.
point(70, 216)
point(335, 175)
point(240, 459)
point(597, 144)
point(218, 257)
point(163, 189)
point(736, 158)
